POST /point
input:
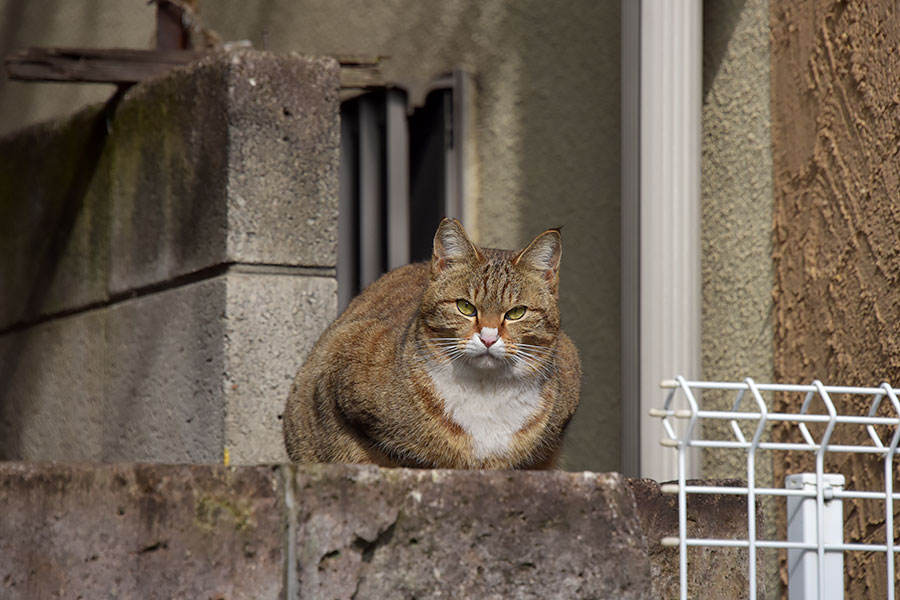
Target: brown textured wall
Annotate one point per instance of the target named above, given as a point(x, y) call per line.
point(836, 154)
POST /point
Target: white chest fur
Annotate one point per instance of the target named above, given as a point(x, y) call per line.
point(490, 409)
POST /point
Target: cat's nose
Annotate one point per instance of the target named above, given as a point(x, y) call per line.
point(488, 336)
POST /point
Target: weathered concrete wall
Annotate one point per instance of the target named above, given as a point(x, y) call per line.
point(545, 127)
point(835, 132)
point(166, 261)
point(336, 531)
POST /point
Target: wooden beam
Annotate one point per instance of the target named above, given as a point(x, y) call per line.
point(114, 65)
point(124, 66)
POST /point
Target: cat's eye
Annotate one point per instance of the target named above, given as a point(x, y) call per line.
point(515, 313)
point(466, 308)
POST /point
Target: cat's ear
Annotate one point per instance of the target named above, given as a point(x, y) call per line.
point(451, 244)
point(543, 254)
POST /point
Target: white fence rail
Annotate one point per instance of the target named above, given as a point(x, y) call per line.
point(813, 500)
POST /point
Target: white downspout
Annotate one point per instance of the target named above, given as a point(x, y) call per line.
point(661, 298)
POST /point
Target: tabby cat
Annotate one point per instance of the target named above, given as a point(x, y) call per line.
point(459, 363)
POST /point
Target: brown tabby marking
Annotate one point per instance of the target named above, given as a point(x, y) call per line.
point(460, 363)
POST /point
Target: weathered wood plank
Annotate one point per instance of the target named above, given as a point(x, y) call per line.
point(127, 66)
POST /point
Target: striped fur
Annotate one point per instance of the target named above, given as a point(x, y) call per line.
point(404, 378)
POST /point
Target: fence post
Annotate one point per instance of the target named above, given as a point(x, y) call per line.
point(802, 515)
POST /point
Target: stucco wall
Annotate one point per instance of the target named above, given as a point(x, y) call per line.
point(546, 126)
point(737, 205)
point(836, 134)
point(737, 222)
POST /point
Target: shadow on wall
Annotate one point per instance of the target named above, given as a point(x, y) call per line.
point(719, 22)
point(569, 165)
point(55, 227)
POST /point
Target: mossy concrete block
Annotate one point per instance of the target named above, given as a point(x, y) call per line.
point(140, 531)
point(366, 532)
point(54, 217)
point(348, 531)
point(233, 159)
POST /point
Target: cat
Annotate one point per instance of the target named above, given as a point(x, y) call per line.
point(460, 363)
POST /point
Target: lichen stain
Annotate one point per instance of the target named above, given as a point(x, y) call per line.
point(211, 512)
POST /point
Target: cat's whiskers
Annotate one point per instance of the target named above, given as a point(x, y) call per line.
point(442, 349)
point(537, 361)
point(544, 350)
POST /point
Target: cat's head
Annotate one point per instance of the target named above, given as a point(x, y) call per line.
point(493, 309)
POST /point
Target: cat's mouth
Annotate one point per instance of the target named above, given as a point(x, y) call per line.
point(487, 360)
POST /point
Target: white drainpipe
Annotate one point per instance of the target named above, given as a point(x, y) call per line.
point(661, 299)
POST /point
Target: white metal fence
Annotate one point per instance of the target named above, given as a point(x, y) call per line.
point(813, 501)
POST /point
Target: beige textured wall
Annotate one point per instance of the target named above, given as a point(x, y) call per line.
point(546, 126)
point(737, 203)
point(737, 224)
point(836, 134)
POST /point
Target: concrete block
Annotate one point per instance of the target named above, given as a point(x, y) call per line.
point(283, 158)
point(233, 159)
point(51, 390)
point(346, 531)
point(174, 376)
point(365, 532)
point(54, 217)
point(140, 531)
point(272, 321)
point(169, 163)
point(163, 392)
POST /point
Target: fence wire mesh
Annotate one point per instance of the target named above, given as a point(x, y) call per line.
point(848, 433)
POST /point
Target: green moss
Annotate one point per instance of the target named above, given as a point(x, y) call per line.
point(212, 512)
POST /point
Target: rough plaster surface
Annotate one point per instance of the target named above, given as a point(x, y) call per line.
point(836, 134)
point(140, 531)
point(545, 128)
point(737, 199)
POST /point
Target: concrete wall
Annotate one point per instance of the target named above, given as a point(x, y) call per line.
point(339, 531)
point(166, 261)
point(545, 127)
point(835, 131)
